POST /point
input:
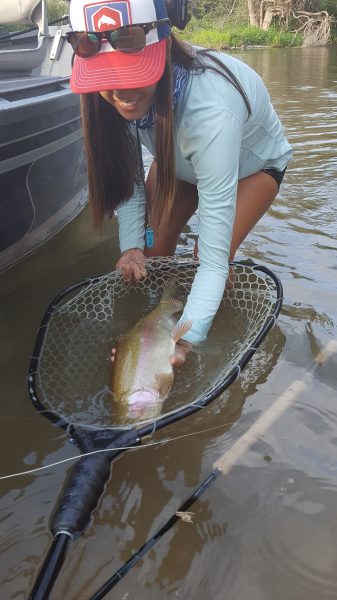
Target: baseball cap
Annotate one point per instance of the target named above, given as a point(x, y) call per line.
point(110, 68)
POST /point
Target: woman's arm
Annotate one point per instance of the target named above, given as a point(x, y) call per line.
point(131, 220)
point(214, 152)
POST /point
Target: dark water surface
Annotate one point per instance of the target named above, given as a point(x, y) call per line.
point(268, 528)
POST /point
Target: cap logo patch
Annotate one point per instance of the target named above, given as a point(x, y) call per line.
point(106, 16)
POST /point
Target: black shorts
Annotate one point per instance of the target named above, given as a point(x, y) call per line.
point(277, 175)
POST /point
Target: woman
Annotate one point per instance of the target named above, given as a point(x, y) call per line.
point(207, 119)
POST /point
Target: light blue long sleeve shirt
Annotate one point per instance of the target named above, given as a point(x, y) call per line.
point(216, 144)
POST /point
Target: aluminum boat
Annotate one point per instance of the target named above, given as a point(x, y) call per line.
point(42, 164)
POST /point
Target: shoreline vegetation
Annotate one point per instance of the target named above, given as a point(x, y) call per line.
point(228, 37)
point(230, 24)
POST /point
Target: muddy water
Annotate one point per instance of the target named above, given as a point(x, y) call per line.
point(268, 528)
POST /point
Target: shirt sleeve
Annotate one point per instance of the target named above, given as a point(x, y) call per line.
point(214, 153)
point(131, 220)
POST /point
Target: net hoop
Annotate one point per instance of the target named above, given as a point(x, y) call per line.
point(79, 290)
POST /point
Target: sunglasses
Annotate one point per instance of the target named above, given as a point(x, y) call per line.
point(128, 39)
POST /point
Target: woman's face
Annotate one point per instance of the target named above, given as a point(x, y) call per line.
point(131, 104)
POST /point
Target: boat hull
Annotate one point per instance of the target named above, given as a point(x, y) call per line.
point(43, 181)
point(42, 167)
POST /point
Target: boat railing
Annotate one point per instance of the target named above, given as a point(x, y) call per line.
point(24, 59)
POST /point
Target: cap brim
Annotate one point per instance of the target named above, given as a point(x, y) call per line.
point(115, 70)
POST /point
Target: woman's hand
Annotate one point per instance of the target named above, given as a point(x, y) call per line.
point(181, 352)
point(132, 264)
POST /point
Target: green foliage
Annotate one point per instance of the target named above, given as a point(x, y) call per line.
point(329, 5)
point(208, 10)
point(57, 9)
point(237, 37)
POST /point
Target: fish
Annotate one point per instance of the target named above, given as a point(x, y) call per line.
point(142, 371)
point(105, 20)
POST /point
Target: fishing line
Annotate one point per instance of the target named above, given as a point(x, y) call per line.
point(143, 447)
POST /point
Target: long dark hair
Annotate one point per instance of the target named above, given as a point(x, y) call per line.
point(112, 151)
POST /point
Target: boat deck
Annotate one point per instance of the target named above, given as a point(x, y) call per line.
point(12, 89)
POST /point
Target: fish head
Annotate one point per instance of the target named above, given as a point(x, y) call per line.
point(144, 404)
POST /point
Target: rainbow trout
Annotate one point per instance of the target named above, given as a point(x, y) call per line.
point(142, 371)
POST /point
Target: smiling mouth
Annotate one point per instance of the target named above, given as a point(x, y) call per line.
point(127, 104)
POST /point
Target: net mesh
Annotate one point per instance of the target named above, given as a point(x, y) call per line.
point(74, 372)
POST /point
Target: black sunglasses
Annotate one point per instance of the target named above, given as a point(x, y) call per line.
point(128, 39)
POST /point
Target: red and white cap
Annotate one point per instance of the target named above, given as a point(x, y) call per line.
point(111, 69)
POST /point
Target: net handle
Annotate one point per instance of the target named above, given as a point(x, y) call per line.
point(72, 515)
point(79, 499)
point(87, 481)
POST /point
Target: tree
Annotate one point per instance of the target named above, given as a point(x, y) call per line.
point(312, 21)
point(203, 9)
point(315, 27)
point(254, 9)
point(263, 12)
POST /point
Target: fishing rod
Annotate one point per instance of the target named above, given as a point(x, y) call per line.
point(137, 556)
point(225, 463)
point(74, 325)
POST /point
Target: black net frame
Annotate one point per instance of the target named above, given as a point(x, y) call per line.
point(100, 436)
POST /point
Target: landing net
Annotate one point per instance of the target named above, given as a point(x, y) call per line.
point(71, 371)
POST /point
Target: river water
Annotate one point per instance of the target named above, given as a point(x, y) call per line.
point(268, 528)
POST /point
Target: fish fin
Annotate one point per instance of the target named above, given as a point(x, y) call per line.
point(180, 329)
point(164, 382)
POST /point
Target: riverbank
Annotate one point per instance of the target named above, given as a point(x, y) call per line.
point(223, 37)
